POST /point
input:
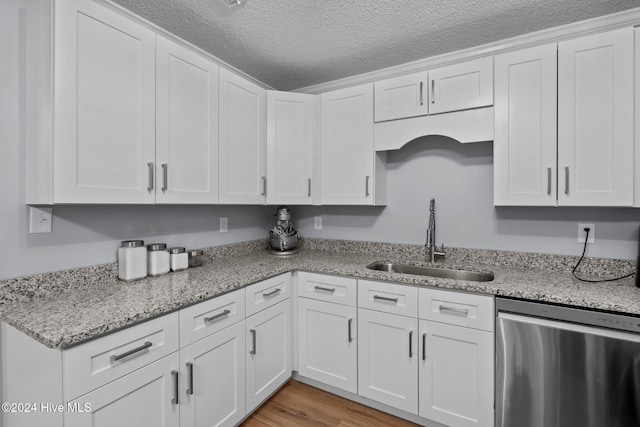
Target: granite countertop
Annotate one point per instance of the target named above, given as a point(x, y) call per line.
point(64, 309)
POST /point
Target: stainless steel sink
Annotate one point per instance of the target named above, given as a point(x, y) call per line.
point(447, 273)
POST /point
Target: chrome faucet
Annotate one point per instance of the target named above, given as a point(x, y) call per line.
point(431, 234)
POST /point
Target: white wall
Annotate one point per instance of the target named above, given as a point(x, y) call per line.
point(460, 178)
point(88, 235)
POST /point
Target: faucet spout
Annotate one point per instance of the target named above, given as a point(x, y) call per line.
point(431, 233)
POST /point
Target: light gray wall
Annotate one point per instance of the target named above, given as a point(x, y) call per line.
point(460, 178)
point(88, 235)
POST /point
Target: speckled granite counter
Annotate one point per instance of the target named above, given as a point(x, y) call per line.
point(65, 308)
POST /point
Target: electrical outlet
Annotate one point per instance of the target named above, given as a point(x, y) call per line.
point(582, 234)
point(317, 222)
point(224, 224)
point(40, 220)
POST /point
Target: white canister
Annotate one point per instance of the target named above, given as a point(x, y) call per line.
point(132, 260)
point(157, 259)
point(179, 259)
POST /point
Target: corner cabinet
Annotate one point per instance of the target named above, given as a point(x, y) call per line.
point(243, 129)
point(291, 120)
point(349, 165)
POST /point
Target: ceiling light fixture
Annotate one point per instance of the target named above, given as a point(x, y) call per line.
point(231, 3)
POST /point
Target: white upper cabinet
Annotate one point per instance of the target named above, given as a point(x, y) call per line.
point(243, 112)
point(187, 126)
point(91, 105)
point(346, 146)
point(524, 149)
point(595, 120)
point(290, 144)
point(455, 87)
point(461, 86)
point(400, 97)
point(637, 116)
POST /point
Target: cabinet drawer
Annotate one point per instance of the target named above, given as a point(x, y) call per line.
point(388, 297)
point(91, 365)
point(210, 316)
point(457, 308)
point(267, 293)
point(339, 290)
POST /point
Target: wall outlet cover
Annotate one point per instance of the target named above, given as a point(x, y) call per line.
point(582, 234)
point(317, 222)
point(40, 220)
point(224, 224)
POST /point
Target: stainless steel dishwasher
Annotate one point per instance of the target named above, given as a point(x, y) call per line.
point(564, 367)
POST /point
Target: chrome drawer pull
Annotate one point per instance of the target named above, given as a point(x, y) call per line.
point(176, 391)
point(424, 346)
point(190, 375)
point(322, 288)
point(116, 357)
point(217, 316)
point(309, 189)
point(433, 91)
point(349, 327)
point(549, 181)
point(421, 96)
point(566, 180)
point(276, 291)
point(366, 186)
point(453, 310)
point(253, 340)
point(165, 177)
point(151, 168)
point(264, 186)
point(395, 300)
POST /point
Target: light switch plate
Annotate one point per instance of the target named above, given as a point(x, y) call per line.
point(224, 224)
point(40, 220)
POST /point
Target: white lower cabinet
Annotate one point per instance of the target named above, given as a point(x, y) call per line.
point(212, 386)
point(146, 397)
point(388, 359)
point(327, 344)
point(456, 375)
point(269, 352)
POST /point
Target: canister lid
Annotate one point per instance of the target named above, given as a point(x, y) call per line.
point(157, 247)
point(132, 243)
point(195, 252)
point(177, 250)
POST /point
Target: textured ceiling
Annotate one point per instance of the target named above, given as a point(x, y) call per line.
point(297, 43)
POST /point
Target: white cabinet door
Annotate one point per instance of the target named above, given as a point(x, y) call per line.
point(388, 359)
point(187, 126)
point(346, 146)
point(401, 97)
point(243, 106)
point(595, 120)
point(146, 397)
point(456, 375)
point(327, 343)
point(212, 386)
point(461, 86)
point(637, 117)
point(268, 352)
point(104, 88)
point(290, 144)
point(524, 148)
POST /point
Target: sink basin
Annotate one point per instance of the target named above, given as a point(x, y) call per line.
point(447, 273)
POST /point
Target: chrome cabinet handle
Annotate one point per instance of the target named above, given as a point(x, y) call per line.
point(322, 288)
point(190, 375)
point(410, 344)
point(349, 328)
point(175, 400)
point(421, 93)
point(116, 357)
point(217, 316)
point(395, 300)
point(549, 181)
point(566, 180)
point(433, 91)
point(274, 292)
point(151, 168)
point(264, 186)
point(424, 346)
point(165, 177)
point(366, 186)
point(309, 187)
point(453, 310)
point(253, 341)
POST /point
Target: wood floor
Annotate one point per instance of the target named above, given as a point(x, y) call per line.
point(298, 404)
